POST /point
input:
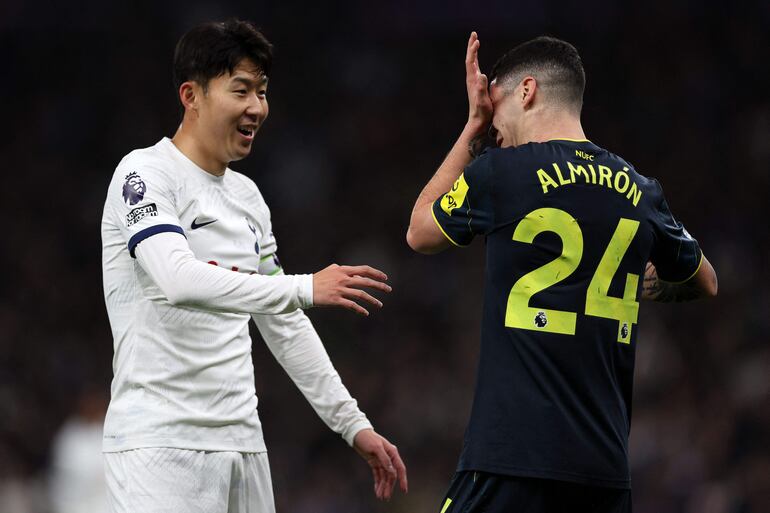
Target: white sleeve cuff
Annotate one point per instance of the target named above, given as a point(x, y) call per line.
point(350, 433)
point(305, 295)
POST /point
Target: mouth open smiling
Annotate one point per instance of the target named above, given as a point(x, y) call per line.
point(247, 131)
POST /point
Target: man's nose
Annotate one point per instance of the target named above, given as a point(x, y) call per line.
point(255, 107)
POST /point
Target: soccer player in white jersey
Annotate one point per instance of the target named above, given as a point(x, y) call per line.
point(188, 258)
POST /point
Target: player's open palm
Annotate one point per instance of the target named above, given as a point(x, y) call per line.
point(341, 285)
point(382, 456)
point(479, 102)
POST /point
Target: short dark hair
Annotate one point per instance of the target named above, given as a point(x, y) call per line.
point(555, 64)
point(211, 49)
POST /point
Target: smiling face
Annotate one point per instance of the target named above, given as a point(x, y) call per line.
point(230, 111)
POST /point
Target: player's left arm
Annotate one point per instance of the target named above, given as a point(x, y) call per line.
point(678, 270)
point(296, 346)
point(424, 234)
point(701, 285)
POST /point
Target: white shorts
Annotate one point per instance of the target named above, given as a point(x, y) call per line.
point(164, 480)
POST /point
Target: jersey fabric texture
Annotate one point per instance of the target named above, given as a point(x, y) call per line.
point(569, 229)
point(164, 480)
point(183, 375)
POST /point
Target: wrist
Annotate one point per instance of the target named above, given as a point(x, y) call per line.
point(474, 128)
point(356, 429)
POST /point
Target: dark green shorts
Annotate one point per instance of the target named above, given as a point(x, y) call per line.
point(477, 492)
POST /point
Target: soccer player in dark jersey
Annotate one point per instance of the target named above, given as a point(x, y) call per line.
point(575, 237)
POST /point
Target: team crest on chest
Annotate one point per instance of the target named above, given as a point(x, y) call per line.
point(133, 188)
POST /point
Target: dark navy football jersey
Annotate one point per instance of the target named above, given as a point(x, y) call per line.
point(569, 229)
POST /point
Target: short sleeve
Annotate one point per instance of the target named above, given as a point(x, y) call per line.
point(142, 199)
point(466, 210)
point(675, 253)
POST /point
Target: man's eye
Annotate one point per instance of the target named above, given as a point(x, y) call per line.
point(241, 91)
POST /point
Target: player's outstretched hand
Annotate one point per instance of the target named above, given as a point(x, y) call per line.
point(340, 285)
point(382, 456)
point(479, 102)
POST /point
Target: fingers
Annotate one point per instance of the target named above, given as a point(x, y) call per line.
point(384, 485)
point(384, 459)
point(359, 295)
point(360, 281)
point(341, 286)
point(379, 479)
point(362, 295)
point(383, 482)
point(471, 54)
point(365, 271)
point(398, 463)
point(364, 276)
point(388, 485)
point(352, 305)
point(385, 462)
point(388, 476)
point(478, 88)
point(650, 273)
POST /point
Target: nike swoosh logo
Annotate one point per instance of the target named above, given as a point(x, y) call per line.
point(195, 225)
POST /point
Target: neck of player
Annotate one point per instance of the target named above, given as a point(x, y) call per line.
point(197, 149)
point(547, 125)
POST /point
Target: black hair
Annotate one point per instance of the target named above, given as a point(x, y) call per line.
point(211, 49)
point(555, 64)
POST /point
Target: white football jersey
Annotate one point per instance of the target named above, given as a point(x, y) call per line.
point(183, 376)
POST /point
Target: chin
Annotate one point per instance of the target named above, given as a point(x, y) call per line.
point(240, 154)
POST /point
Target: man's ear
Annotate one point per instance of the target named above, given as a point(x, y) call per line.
point(528, 91)
point(189, 95)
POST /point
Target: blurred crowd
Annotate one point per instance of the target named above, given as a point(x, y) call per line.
point(365, 100)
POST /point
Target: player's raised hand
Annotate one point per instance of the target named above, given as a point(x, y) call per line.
point(340, 285)
point(382, 456)
point(479, 102)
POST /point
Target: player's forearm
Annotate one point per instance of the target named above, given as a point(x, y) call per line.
point(702, 284)
point(214, 288)
point(298, 349)
point(185, 281)
point(421, 222)
point(449, 170)
point(660, 291)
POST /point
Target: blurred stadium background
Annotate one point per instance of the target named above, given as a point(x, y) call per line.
point(366, 98)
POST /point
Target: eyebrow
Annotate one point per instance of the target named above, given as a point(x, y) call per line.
point(261, 81)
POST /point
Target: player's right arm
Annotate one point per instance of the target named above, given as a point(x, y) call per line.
point(424, 234)
point(142, 203)
point(186, 281)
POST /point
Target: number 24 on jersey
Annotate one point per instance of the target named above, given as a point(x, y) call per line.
point(598, 303)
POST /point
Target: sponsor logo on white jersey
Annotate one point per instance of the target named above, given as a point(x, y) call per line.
point(140, 213)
